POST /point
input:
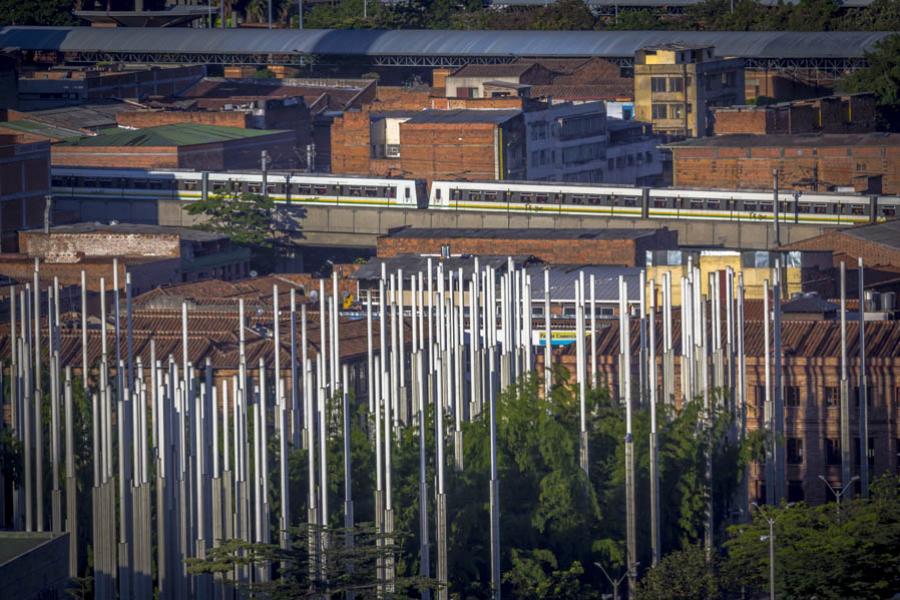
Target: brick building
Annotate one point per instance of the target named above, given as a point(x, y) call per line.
point(868, 162)
point(154, 255)
point(624, 247)
point(185, 146)
point(70, 86)
point(851, 113)
point(811, 383)
point(430, 144)
point(24, 186)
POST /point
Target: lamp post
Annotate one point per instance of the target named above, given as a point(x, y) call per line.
point(615, 583)
point(771, 539)
point(839, 491)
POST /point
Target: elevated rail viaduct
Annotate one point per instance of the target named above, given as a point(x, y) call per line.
point(341, 226)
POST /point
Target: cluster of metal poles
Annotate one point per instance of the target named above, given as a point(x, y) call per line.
point(446, 340)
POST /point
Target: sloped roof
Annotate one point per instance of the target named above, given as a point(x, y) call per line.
point(182, 134)
point(372, 42)
point(887, 233)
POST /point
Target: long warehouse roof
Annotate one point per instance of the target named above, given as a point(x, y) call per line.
point(659, 3)
point(611, 44)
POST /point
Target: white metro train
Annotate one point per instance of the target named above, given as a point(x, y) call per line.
point(497, 196)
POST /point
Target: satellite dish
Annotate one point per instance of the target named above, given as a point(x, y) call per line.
point(253, 273)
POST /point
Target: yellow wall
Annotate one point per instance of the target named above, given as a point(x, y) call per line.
point(753, 277)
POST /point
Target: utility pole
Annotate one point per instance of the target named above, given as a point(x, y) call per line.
point(838, 491)
point(845, 384)
point(775, 207)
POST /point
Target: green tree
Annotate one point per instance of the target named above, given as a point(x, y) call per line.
point(37, 12)
point(249, 220)
point(881, 76)
point(821, 555)
point(681, 575)
point(636, 20)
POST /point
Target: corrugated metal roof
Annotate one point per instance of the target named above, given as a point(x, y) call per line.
point(461, 115)
point(550, 44)
point(182, 134)
point(564, 278)
point(887, 233)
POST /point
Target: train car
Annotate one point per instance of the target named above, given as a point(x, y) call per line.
point(282, 187)
point(539, 198)
point(661, 203)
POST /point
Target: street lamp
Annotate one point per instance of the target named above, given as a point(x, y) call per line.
point(615, 583)
point(839, 493)
point(771, 539)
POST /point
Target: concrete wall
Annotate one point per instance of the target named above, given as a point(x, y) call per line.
point(40, 570)
point(360, 227)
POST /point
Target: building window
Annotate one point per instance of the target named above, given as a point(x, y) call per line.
point(794, 451)
point(832, 396)
point(657, 84)
point(832, 451)
point(728, 79)
point(660, 111)
point(791, 395)
point(868, 396)
point(610, 164)
point(760, 395)
point(870, 453)
point(676, 84)
point(677, 111)
point(795, 491)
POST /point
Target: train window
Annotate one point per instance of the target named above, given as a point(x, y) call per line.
point(820, 209)
point(660, 204)
point(218, 187)
point(529, 198)
point(858, 209)
point(765, 207)
point(105, 183)
point(275, 188)
point(490, 196)
point(437, 193)
point(392, 192)
point(577, 200)
point(888, 211)
point(750, 206)
point(254, 188)
point(305, 190)
point(696, 204)
point(712, 204)
point(455, 195)
point(354, 190)
point(473, 196)
point(58, 181)
point(371, 192)
point(405, 192)
point(541, 198)
point(593, 200)
point(320, 190)
point(803, 208)
point(630, 202)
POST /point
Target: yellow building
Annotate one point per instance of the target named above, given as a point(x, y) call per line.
point(801, 271)
point(675, 85)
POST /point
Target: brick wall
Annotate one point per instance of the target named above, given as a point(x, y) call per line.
point(350, 143)
point(627, 252)
point(143, 157)
point(100, 243)
point(443, 150)
point(140, 119)
point(806, 168)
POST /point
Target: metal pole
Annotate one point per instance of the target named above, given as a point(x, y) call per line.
point(863, 391)
point(845, 384)
point(775, 207)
